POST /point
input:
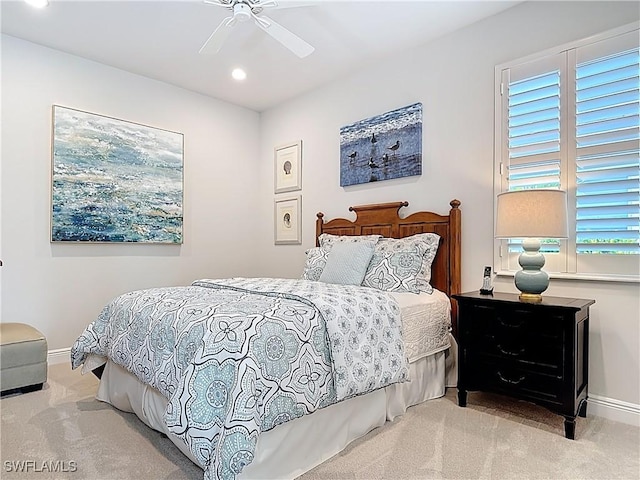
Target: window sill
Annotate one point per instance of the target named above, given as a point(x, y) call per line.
point(582, 277)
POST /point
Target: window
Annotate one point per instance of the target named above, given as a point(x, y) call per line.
point(569, 119)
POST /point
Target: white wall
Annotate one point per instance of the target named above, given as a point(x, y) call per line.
point(60, 288)
point(454, 79)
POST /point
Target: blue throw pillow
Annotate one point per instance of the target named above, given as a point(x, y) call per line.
point(347, 262)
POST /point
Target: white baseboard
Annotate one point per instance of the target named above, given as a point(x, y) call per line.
point(60, 355)
point(613, 409)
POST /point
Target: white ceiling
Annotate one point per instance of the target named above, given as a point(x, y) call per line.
point(160, 39)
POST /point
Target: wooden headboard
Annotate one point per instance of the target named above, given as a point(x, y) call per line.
point(384, 219)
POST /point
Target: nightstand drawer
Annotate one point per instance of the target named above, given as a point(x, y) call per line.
point(529, 353)
point(514, 321)
point(522, 383)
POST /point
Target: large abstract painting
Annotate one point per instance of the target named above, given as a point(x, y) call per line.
point(382, 147)
point(114, 180)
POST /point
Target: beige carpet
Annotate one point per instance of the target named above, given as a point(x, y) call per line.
point(63, 428)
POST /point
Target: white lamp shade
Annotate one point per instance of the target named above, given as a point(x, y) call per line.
point(532, 214)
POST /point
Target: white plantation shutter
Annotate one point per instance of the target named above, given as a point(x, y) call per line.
point(533, 133)
point(570, 120)
point(607, 151)
point(534, 116)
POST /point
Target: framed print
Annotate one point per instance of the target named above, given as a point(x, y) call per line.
point(288, 228)
point(382, 147)
point(114, 180)
point(288, 167)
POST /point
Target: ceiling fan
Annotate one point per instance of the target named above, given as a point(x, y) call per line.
point(244, 10)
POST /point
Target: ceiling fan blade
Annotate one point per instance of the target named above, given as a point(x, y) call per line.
point(265, 4)
point(284, 36)
point(216, 2)
point(280, 4)
point(219, 35)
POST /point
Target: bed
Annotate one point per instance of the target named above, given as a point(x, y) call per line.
point(237, 413)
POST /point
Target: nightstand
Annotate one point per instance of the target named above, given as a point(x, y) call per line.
point(537, 352)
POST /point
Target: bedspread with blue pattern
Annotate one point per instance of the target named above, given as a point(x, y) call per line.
point(236, 357)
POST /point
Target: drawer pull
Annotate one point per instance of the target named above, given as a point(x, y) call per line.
point(509, 352)
point(510, 381)
point(510, 325)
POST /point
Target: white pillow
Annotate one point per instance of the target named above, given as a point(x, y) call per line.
point(347, 262)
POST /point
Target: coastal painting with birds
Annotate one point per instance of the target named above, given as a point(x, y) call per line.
point(382, 147)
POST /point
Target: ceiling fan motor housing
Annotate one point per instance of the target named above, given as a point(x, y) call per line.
point(241, 12)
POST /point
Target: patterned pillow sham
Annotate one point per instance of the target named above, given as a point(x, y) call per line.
point(396, 270)
point(403, 264)
point(315, 263)
point(328, 239)
point(347, 263)
point(432, 241)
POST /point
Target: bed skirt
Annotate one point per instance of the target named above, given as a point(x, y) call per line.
point(296, 447)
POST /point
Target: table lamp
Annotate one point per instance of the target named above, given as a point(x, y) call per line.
point(531, 215)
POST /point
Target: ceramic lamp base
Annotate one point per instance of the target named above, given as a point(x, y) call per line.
point(531, 280)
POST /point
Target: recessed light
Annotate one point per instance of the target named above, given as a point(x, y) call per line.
point(239, 74)
point(38, 3)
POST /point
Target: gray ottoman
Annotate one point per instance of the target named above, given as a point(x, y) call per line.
point(23, 357)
